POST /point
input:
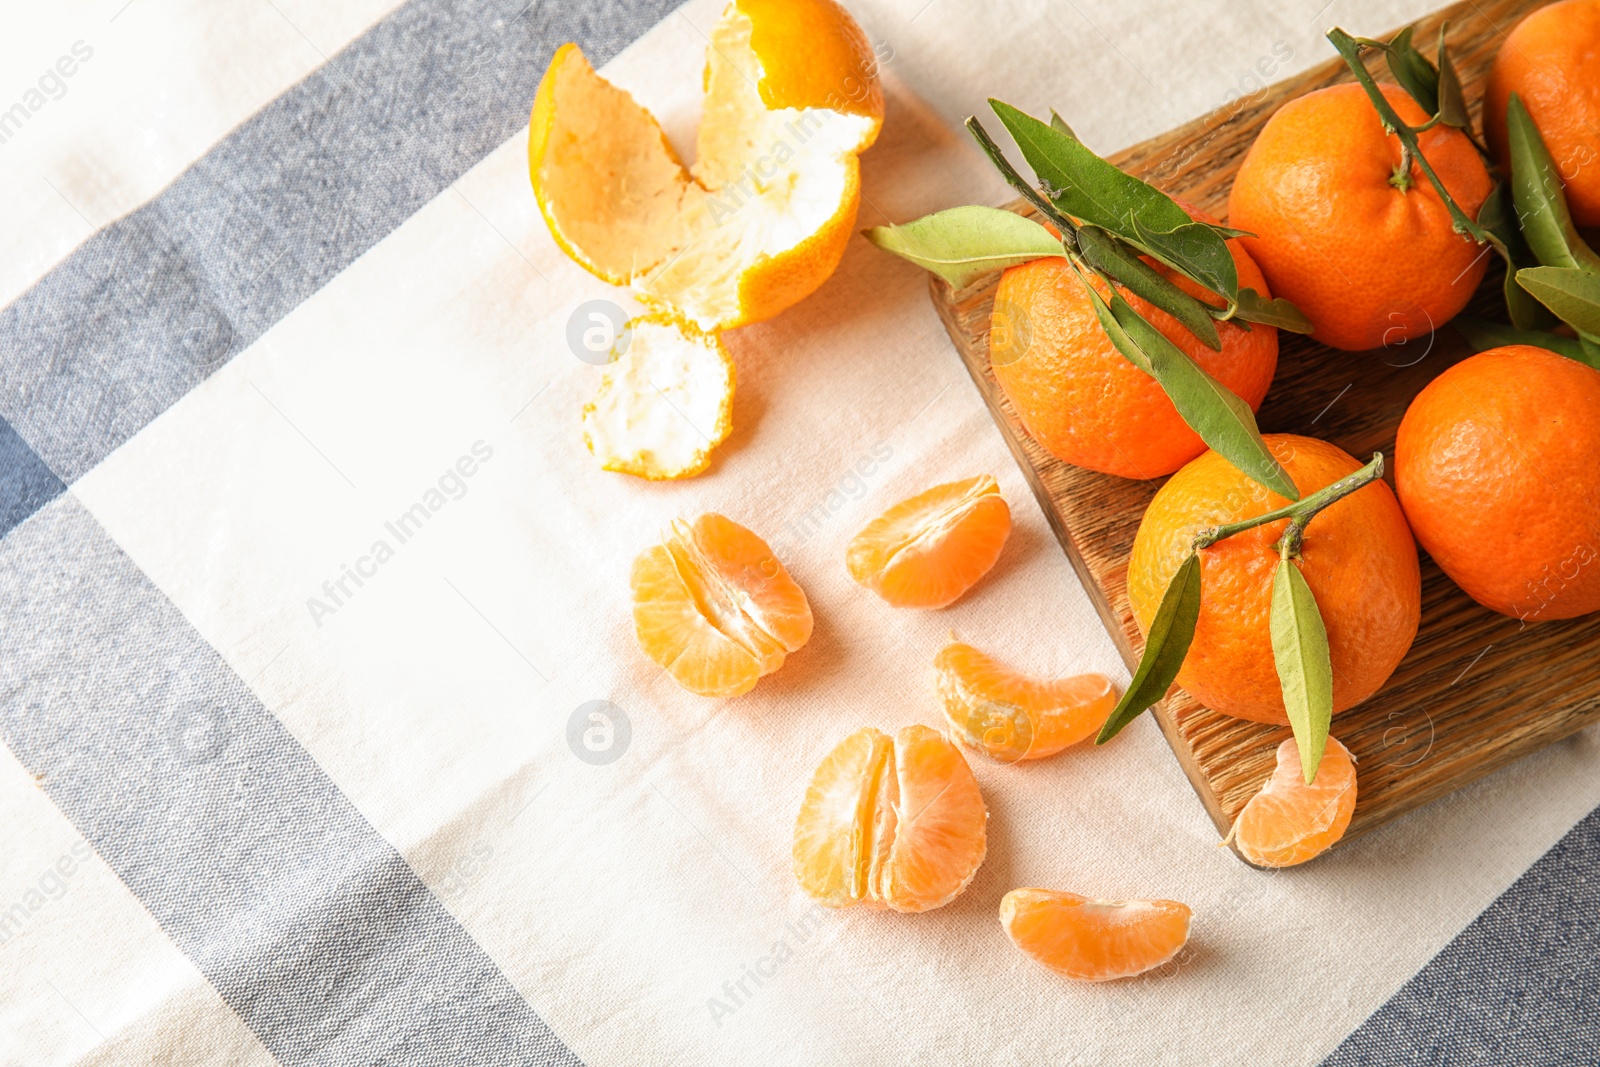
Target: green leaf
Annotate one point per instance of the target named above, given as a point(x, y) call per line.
point(1305, 668)
point(1483, 335)
point(1199, 251)
point(1452, 109)
point(1164, 648)
point(1253, 307)
point(1413, 71)
point(1498, 217)
point(1087, 187)
point(1119, 337)
point(1110, 256)
point(1572, 293)
point(1541, 205)
point(963, 243)
point(1224, 422)
point(1059, 123)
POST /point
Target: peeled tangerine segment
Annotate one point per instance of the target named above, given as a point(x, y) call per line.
point(890, 823)
point(762, 217)
point(1094, 940)
point(664, 403)
point(1289, 822)
point(1010, 716)
point(715, 608)
point(926, 551)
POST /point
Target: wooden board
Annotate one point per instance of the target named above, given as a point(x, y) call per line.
point(1478, 689)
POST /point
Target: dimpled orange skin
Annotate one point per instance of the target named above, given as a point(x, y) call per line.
point(1358, 557)
point(1552, 61)
point(1368, 264)
point(1498, 467)
point(1081, 399)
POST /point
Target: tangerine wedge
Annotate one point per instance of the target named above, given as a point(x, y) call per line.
point(1094, 940)
point(890, 823)
point(714, 607)
point(1010, 716)
point(1289, 822)
point(928, 550)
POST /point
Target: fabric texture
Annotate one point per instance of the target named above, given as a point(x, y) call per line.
point(326, 737)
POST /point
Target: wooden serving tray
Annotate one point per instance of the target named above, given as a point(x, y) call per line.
point(1478, 689)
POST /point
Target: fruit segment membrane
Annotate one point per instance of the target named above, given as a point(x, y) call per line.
point(1289, 822)
point(890, 823)
point(1010, 716)
point(715, 608)
point(928, 550)
point(1094, 940)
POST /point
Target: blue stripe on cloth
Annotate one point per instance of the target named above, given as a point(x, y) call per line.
point(153, 303)
point(26, 484)
point(1520, 985)
point(310, 925)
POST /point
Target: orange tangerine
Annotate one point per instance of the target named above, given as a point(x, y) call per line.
point(715, 608)
point(1094, 940)
point(1010, 716)
point(1289, 822)
point(929, 549)
point(890, 823)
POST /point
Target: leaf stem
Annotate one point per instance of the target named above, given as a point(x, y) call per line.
point(1350, 49)
point(1299, 513)
point(1069, 231)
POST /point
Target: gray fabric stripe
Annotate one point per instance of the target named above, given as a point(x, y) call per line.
point(159, 299)
point(26, 484)
point(309, 924)
point(1521, 985)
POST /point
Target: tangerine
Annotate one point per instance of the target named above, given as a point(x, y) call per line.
point(1496, 467)
point(1357, 556)
point(1368, 253)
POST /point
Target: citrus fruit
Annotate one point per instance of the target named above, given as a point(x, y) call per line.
point(1357, 557)
point(1551, 59)
point(762, 217)
point(1369, 263)
point(1094, 940)
point(1498, 467)
point(663, 404)
point(715, 608)
point(890, 823)
point(1289, 822)
point(1010, 716)
point(1081, 399)
point(929, 549)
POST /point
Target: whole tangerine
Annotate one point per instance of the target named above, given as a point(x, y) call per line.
point(1081, 399)
point(1357, 556)
point(1551, 59)
point(1497, 463)
point(1369, 255)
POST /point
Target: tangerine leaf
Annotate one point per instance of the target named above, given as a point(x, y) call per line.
point(964, 243)
point(1483, 335)
point(1571, 292)
point(1540, 203)
point(1224, 422)
point(1119, 337)
point(1305, 666)
point(1087, 187)
point(1110, 256)
point(1413, 71)
point(1498, 217)
point(1253, 307)
point(1165, 647)
point(1452, 101)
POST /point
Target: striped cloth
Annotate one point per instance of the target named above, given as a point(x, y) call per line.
point(325, 741)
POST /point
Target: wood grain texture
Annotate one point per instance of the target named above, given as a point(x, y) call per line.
point(1478, 689)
